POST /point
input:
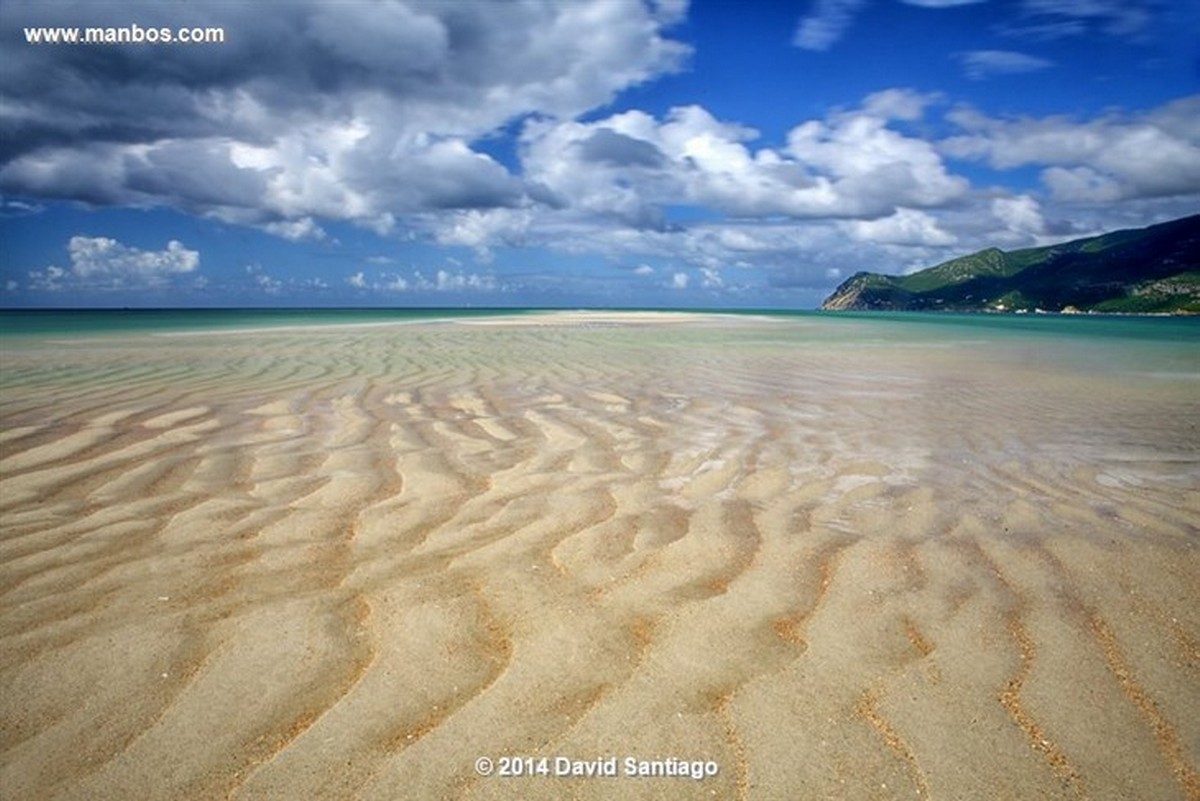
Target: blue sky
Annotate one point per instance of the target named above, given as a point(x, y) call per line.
point(590, 153)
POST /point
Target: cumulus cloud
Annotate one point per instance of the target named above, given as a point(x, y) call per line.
point(104, 263)
point(445, 281)
point(363, 113)
point(263, 280)
point(788, 254)
point(904, 227)
point(1112, 157)
point(296, 230)
point(384, 116)
point(441, 280)
point(981, 64)
point(606, 146)
point(395, 283)
point(482, 229)
point(1082, 184)
point(852, 164)
point(1021, 215)
point(873, 168)
point(47, 280)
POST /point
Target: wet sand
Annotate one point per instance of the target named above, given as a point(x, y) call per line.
point(347, 563)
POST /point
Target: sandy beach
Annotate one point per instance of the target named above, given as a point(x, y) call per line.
point(801, 559)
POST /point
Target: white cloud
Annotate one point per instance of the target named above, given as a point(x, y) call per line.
point(981, 64)
point(104, 263)
point(267, 284)
point(483, 229)
point(899, 104)
point(47, 280)
point(1021, 223)
point(1022, 214)
point(19, 208)
point(743, 240)
point(394, 283)
point(1059, 18)
point(296, 230)
point(261, 279)
point(679, 281)
point(441, 281)
point(852, 164)
point(904, 227)
point(711, 278)
point(827, 23)
point(872, 169)
point(612, 168)
point(1081, 184)
point(669, 11)
point(857, 189)
point(394, 36)
point(101, 262)
point(1112, 157)
point(365, 115)
point(456, 282)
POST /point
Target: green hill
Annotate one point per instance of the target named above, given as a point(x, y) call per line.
point(1143, 271)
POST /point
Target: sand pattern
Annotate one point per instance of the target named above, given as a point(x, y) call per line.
point(343, 564)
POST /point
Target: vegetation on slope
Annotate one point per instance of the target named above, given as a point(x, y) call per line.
point(1148, 270)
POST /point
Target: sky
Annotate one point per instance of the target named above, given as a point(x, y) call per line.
point(575, 153)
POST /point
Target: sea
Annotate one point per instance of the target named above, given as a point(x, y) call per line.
point(20, 323)
point(92, 322)
point(1112, 348)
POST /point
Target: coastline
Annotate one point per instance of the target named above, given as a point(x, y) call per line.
point(26, 324)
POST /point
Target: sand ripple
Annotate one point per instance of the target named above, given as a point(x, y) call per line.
point(344, 564)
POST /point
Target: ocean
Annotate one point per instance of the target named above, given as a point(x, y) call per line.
point(59, 322)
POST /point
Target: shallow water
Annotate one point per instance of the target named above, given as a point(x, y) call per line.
point(831, 553)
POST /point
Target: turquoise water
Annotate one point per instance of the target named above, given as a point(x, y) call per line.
point(92, 322)
point(1112, 345)
point(1173, 329)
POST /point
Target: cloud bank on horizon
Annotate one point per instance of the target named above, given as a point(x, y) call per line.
point(593, 152)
